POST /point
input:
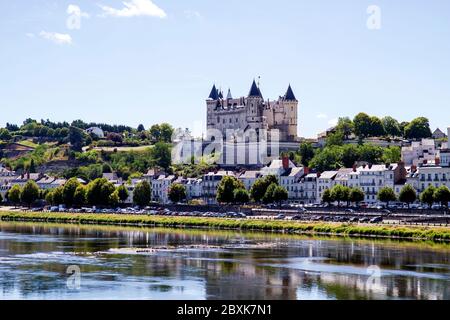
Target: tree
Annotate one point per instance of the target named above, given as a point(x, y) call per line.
point(166, 132)
point(155, 132)
point(442, 195)
point(356, 195)
point(30, 193)
point(392, 154)
point(330, 158)
point(14, 194)
point(55, 196)
point(370, 154)
point(123, 193)
point(376, 127)
point(280, 194)
point(386, 194)
point(99, 192)
point(32, 167)
point(140, 128)
point(241, 196)
point(418, 129)
point(161, 155)
point(335, 139)
point(79, 197)
point(69, 191)
point(177, 193)
point(340, 193)
point(391, 127)
point(362, 123)
point(114, 199)
point(268, 195)
point(408, 195)
point(306, 153)
point(260, 186)
point(427, 196)
point(350, 155)
point(327, 197)
point(5, 134)
point(142, 194)
point(226, 188)
point(76, 138)
point(346, 126)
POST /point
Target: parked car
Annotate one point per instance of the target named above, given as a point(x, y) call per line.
point(349, 210)
point(297, 217)
point(280, 217)
point(376, 220)
point(354, 219)
point(364, 220)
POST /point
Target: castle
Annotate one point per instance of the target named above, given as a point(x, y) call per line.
point(253, 112)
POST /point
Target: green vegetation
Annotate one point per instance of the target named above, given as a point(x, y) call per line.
point(226, 188)
point(260, 187)
point(341, 229)
point(408, 195)
point(142, 194)
point(177, 193)
point(387, 194)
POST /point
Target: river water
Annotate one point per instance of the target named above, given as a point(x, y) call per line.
point(45, 261)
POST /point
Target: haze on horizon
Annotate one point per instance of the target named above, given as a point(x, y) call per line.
point(141, 61)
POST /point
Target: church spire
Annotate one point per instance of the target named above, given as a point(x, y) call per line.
point(229, 96)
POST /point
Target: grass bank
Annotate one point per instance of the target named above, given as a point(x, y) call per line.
point(339, 229)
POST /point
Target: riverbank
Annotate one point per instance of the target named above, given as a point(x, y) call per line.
point(335, 229)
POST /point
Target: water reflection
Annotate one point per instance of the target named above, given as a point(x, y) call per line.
point(34, 259)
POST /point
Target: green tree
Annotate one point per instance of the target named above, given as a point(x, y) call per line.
point(346, 126)
point(306, 153)
point(391, 127)
point(140, 128)
point(226, 188)
point(442, 195)
point(142, 194)
point(99, 192)
point(177, 193)
point(268, 195)
point(327, 196)
point(392, 154)
point(330, 158)
point(387, 194)
point(155, 132)
point(166, 132)
point(419, 128)
point(363, 124)
point(340, 193)
point(114, 199)
point(356, 195)
point(280, 194)
point(408, 195)
point(335, 139)
point(371, 154)
point(376, 127)
point(69, 191)
point(79, 197)
point(13, 194)
point(55, 196)
point(161, 155)
point(76, 138)
point(30, 193)
point(427, 196)
point(5, 134)
point(123, 193)
point(241, 196)
point(260, 186)
point(350, 155)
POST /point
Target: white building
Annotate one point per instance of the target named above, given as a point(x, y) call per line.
point(96, 131)
point(210, 183)
point(249, 178)
point(372, 178)
point(419, 152)
point(325, 181)
point(160, 188)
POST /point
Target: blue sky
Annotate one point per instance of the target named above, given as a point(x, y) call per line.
point(156, 61)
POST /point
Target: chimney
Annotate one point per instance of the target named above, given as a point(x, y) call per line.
point(354, 167)
point(307, 170)
point(285, 162)
point(413, 168)
point(437, 161)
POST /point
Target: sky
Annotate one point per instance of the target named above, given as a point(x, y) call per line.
point(141, 61)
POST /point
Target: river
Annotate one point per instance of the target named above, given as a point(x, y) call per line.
point(50, 261)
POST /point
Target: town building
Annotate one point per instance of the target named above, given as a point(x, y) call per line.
point(419, 152)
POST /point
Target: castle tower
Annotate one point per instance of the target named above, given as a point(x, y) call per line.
point(211, 104)
point(254, 107)
point(291, 110)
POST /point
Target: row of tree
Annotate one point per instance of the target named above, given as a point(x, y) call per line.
point(265, 190)
point(408, 195)
point(99, 192)
point(364, 126)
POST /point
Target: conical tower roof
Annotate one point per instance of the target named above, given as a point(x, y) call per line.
point(214, 95)
point(290, 94)
point(254, 91)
